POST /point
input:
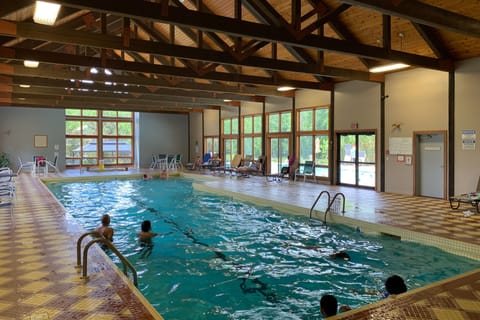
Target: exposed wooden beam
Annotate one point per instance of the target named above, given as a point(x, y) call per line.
point(83, 38)
point(431, 38)
point(46, 72)
point(423, 13)
point(9, 7)
point(221, 24)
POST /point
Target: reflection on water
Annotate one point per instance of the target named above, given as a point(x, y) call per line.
point(216, 258)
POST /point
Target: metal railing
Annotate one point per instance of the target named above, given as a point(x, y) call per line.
point(330, 202)
point(109, 245)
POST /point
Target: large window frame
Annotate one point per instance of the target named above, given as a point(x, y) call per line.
point(252, 143)
point(313, 138)
point(230, 136)
point(95, 137)
point(279, 138)
point(211, 144)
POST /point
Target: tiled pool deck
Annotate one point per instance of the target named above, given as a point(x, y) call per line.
point(38, 278)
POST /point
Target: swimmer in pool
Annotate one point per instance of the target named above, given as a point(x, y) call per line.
point(145, 236)
point(146, 233)
point(340, 255)
point(105, 230)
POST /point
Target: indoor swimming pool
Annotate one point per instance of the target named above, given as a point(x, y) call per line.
point(217, 258)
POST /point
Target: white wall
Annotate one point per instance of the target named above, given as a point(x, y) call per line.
point(358, 102)
point(162, 133)
point(18, 127)
point(195, 136)
point(418, 101)
point(311, 98)
point(467, 115)
point(211, 124)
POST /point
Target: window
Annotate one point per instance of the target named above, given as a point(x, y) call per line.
point(93, 135)
point(252, 136)
point(280, 122)
point(211, 144)
point(230, 138)
point(313, 141)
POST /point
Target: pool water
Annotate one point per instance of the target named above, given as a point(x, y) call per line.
point(217, 258)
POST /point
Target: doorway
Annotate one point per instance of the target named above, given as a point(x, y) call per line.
point(279, 148)
point(356, 156)
point(430, 164)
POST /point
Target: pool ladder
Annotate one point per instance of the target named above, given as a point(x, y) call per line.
point(109, 245)
point(330, 201)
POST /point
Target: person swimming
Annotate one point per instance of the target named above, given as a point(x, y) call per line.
point(340, 255)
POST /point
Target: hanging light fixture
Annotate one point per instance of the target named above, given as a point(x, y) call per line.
point(46, 12)
point(389, 67)
point(285, 88)
point(31, 63)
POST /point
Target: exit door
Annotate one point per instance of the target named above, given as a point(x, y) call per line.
point(430, 165)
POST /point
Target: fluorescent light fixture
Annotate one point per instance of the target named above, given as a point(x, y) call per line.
point(31, 64)
point(86, 81)
point(24, 86)
point(46, 12)
point(93, 70)
point(389, 67)
point(285, 88)
point(227, 100)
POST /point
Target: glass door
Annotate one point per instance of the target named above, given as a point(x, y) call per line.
point(356, 159)
point(279, 151)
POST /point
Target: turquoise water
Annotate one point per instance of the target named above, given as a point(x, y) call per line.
point(223, 259)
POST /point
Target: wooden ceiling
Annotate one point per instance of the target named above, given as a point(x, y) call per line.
point(190, 55)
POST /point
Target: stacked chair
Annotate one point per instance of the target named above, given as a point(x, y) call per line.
point(7, 186)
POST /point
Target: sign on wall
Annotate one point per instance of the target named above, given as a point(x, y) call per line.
point(400, 145)
point(469, 138)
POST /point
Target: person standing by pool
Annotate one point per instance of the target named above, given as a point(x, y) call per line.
point(105, 230)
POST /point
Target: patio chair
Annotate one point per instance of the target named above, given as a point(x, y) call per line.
point(25, 165)
point(308, 169)
point(52, 164)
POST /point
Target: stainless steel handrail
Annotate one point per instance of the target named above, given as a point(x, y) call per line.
point(110, 246)
point(318, 198)
point(331, 203)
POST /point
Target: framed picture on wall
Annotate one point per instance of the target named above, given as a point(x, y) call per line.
point(40, 141)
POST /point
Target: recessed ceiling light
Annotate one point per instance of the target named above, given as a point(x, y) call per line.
point(93, 70)
point(31, 63)
point(107, 72)
point(389, 67)
point(227, 100)
point(24, 86)
point(285, 88)
point(46, 12)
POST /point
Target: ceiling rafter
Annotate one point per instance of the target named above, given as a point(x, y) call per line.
point(200, 20)
point(135, 90)
point(46, 33)
point(423, 13)
point(429, 35)
point(264, 12)
point(10, 7)
point(52, 73)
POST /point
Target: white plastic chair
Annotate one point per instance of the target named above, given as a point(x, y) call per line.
point(25, 165)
